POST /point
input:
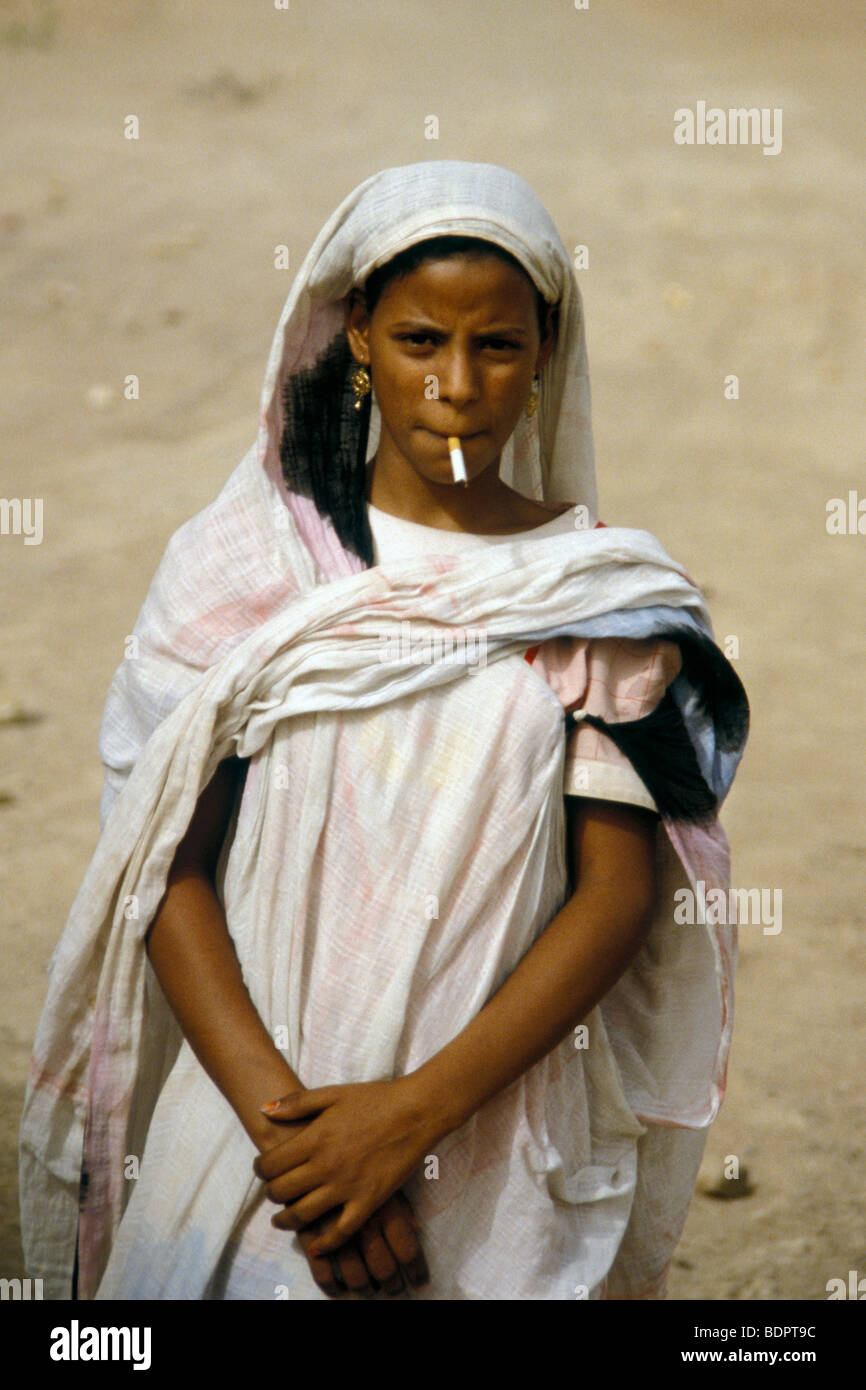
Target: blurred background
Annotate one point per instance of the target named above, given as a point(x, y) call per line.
point(155, 258)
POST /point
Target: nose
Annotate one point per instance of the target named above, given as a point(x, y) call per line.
point(458, 379)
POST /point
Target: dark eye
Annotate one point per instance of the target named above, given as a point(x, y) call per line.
point(501, 344)
point(417, 339)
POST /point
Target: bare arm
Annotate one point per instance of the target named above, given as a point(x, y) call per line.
point(195, 962)
point(571, 966)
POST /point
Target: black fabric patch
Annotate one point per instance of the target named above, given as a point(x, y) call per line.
point(720, 691)
point(663, 756)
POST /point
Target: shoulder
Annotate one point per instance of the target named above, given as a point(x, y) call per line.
point(524, 511)
point(638, 670)
point(613, 677)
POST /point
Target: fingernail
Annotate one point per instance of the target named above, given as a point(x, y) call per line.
point(270, 1106)
point(314, 1251)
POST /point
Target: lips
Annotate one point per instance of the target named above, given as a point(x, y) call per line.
point(463, 437)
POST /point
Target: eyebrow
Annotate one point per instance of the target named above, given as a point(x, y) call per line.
point(426, 324)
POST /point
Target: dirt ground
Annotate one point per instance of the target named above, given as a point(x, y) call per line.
point(154, 257)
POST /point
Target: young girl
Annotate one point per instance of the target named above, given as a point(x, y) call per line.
point(401, 779)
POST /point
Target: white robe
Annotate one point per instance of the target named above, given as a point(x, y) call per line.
point(369, 961)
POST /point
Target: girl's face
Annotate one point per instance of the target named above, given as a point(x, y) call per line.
point(452, 348)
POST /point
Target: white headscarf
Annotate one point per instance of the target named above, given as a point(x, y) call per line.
point(549, 458)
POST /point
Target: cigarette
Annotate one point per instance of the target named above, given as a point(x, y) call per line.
point(458, 464)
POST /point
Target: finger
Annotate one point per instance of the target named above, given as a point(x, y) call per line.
point(417, 1271)
point(298, 1103)
point(337, 1231)
point(311, 1208)
point(379, 1257)
point(281, 1102)
point(401, 1232)
point(322, 1269)
point(353, 1271)
point(291, 1153)
point(290, 1187)
point(400, 1228)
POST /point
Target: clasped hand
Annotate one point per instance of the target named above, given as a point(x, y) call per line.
point(363, 1142)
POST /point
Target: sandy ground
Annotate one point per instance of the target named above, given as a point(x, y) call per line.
point(155, 257)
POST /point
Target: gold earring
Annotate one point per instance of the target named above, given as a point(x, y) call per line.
point(532, 404)
point(360, 381)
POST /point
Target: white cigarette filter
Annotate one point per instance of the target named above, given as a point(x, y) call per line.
point(458, 463)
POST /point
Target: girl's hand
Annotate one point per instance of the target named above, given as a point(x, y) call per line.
point(385, 1251)
point(362, 1145)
